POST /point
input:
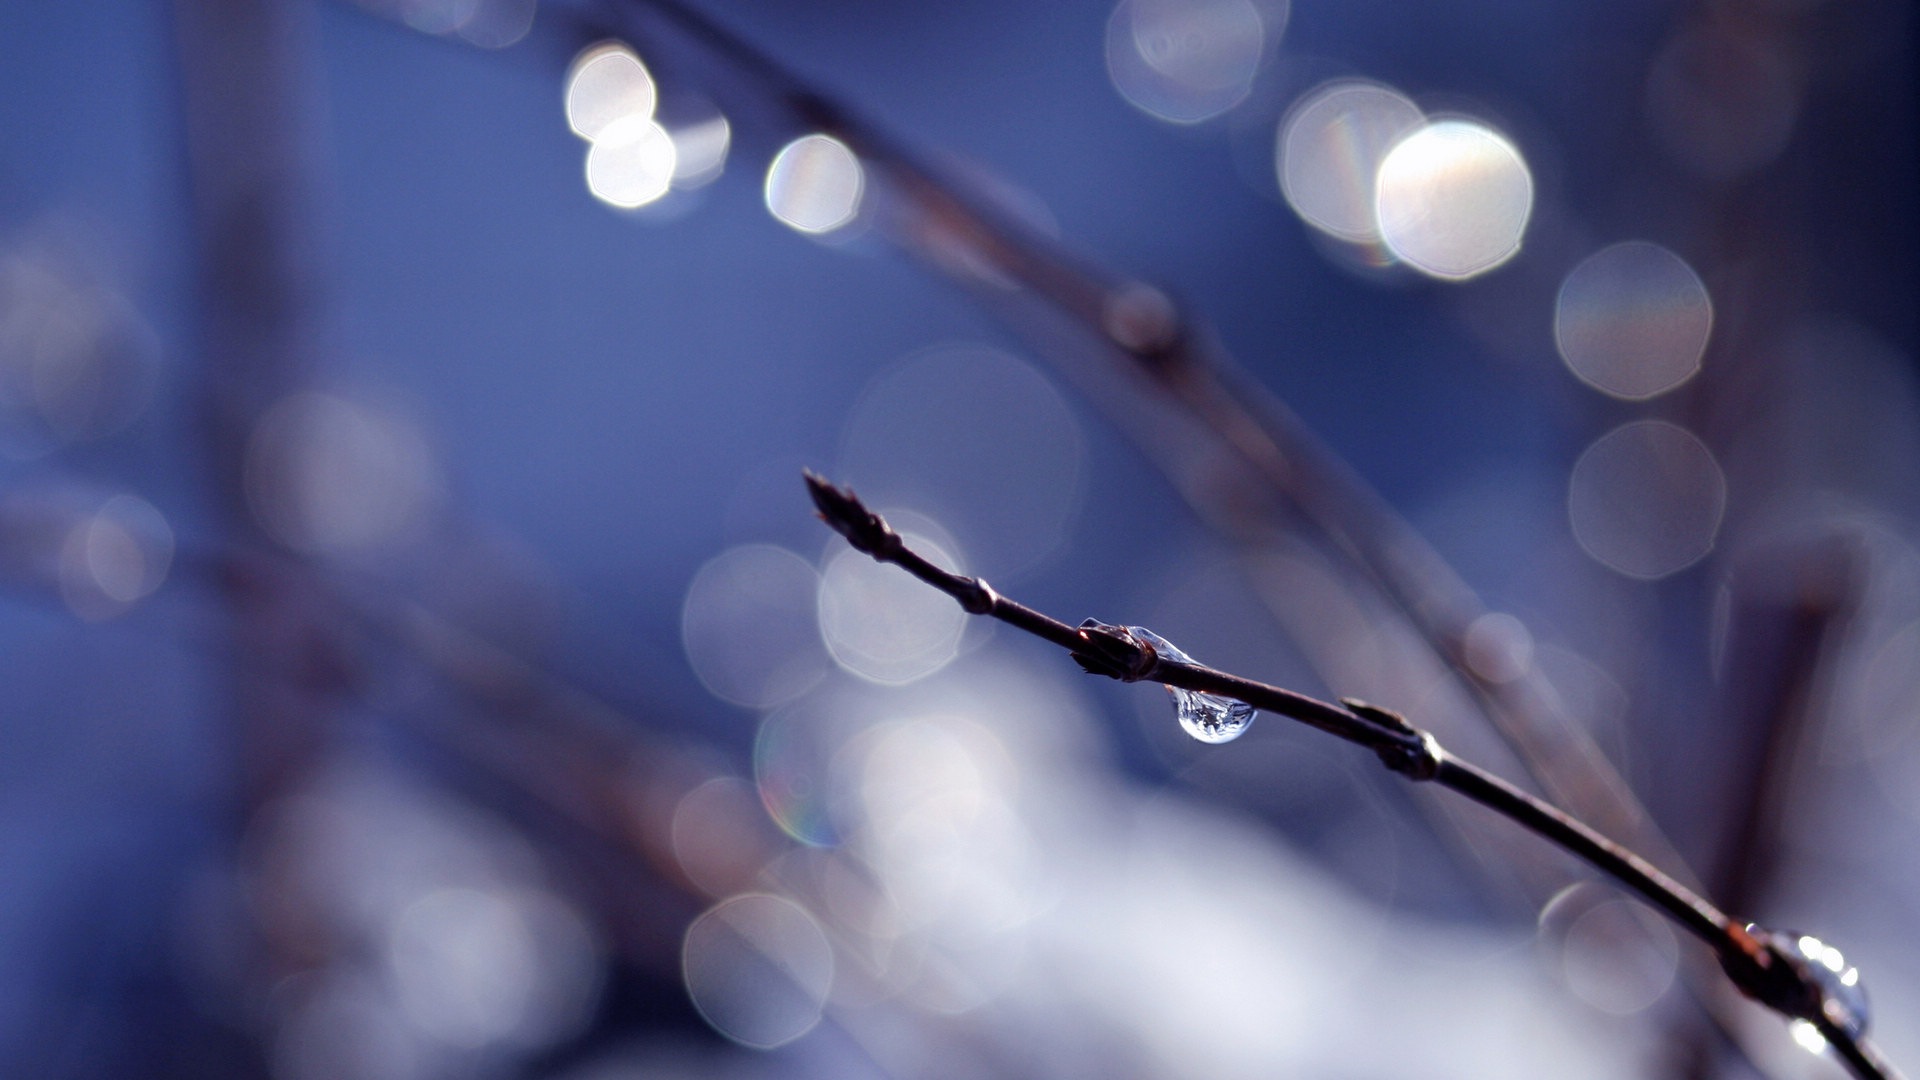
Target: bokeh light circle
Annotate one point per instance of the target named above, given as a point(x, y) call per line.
point(1498, 647)
point(977, 438)
point(1722, 103)
point(1632, 320)
point(473, 967)
point(700, 151)
point(328, 474)
point(497, 24)
point(1619, 957)
point(114, 557)
point(793, 769)
point(632, 163)
point(759, 969)
point(881, 623)
point(1186, 61)
point(1646, 499)
point(607, 84)
point(1329, 151)
point(1452, 199)
point(719, 835)
point(815, 184)
point(77, 361)
point(749, 626)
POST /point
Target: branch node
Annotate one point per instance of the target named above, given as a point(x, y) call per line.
point(1417, 759)
point(977, 597)
point(1111, 651)
point(1144, 322)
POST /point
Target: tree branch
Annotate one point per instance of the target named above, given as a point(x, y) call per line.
point(1757, 961)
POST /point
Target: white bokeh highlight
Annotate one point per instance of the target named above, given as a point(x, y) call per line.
point(815, 184)
point(749, 626)
point(1329, 151)
point(632, 163)
point(881, 623)
point(1185, 61)
point(1453, 198)
point(759, 969)
point(608, 84)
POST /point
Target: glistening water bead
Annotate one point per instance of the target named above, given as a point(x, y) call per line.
point(1207, 717)
point(1845, 1000)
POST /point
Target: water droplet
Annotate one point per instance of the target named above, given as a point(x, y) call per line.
point(1207, 717)
point(1839, 982)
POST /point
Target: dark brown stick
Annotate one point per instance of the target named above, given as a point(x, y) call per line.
point(1758, 967)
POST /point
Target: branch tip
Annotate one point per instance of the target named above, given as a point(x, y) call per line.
point(841, 509)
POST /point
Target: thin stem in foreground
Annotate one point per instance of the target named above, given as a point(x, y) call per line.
point(1755, 961)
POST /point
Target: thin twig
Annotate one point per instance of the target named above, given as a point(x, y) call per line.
point(1191, 374)
point(1182, 365)
point(257, 296)
point(1752, 960)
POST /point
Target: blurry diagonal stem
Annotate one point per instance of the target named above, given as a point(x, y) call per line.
point(1799, 640)
point(250, 184)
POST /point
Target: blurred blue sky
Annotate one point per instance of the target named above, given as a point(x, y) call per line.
point(615, 398)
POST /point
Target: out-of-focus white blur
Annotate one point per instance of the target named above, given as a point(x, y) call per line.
point(1329, 151)
point(327, 474)
point(815, 184)
point(440, 943)
point(1186, 61)
point(1452, 199)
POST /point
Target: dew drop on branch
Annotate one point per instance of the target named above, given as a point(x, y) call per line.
point(1845, 1000)
point(1210, 718)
